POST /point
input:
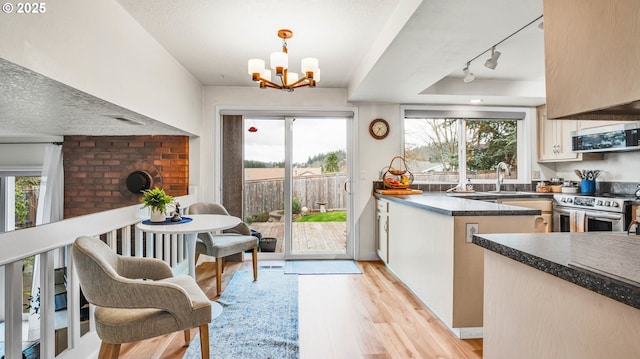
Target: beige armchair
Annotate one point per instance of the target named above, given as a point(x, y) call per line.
point(235, 240)
point(138, 298)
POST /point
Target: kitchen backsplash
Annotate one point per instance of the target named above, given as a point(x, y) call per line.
point(601, 187)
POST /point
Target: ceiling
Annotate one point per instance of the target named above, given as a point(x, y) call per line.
point(395, 51)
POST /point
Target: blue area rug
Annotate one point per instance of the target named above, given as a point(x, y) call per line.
point(259, 319)
point(322, 267)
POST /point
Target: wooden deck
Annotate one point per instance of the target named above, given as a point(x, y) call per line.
point(308, 237)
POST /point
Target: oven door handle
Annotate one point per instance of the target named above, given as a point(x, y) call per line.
point(597, 215)
point(600, 215)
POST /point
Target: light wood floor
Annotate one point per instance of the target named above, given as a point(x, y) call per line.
point(369, 316)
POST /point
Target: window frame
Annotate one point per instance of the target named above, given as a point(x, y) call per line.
point(525, 150)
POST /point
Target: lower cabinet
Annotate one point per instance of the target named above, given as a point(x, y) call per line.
point(382, 229)
point(432, 255)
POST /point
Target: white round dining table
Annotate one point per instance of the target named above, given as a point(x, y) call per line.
point(200, 223)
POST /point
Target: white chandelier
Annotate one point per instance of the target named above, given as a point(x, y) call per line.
point(280, 63)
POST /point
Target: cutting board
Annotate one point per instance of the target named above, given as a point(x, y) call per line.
point(398, 191)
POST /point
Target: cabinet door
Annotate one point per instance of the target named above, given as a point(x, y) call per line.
point(546, 137)
point(563, 138)
point(591, 56)
point(382, 230)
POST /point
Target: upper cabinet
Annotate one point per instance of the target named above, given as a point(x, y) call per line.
point(554, 139)
point(591, 59)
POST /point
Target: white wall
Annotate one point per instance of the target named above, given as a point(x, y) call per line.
point(373, 156)
point(97, 47)
point(19, 155)
point(615, 167)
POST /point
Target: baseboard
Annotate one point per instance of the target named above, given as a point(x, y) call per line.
point(468, 333)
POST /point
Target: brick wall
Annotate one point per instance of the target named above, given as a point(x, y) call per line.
point(96, 169)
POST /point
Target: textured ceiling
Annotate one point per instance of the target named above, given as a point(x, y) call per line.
point(34, 105)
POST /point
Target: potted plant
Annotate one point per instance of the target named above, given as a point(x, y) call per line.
point(157, 200)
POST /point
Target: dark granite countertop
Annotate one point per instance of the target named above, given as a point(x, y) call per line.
point(458, 206)
point(551, 253)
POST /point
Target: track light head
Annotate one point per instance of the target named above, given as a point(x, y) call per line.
point(492, 62)
point(468, 75)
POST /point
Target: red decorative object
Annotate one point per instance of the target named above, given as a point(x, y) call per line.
point(253, 129)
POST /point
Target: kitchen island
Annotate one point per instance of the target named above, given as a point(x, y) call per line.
point(426, 242)
point(561, 295)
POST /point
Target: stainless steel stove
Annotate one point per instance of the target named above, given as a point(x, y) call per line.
point(603, 212)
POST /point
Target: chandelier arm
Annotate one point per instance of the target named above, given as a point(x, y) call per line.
point(296, 84)
point(273, 86)
point(270, 84)
point(300, 85)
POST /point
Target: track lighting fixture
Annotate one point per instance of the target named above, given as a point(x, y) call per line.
point(468, 75)
point(492, 62)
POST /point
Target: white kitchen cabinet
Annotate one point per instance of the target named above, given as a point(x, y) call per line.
point(554, 140)
point(591, 57)
point(382, 229)
point(432, 255)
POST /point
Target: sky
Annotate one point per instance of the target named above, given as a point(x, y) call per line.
point(311, 136)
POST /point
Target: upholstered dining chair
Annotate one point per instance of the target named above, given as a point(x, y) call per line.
point(138, 298)
point(234, 240)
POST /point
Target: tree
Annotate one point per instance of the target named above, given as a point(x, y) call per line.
point(490, 142)
point(331, 163)
point(438, 143)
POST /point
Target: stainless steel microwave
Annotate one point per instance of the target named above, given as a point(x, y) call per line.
point(620, 137)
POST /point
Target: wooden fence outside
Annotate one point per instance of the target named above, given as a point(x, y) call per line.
point(266, 195)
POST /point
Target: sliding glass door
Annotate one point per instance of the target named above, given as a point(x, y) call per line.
point(296, 182)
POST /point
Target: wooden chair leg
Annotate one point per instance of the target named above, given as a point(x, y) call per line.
point(219, 275)
point(254, 258)
point(109, 351)
point(204, 340)
point(187, 337)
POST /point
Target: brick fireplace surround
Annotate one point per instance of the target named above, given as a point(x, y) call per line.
point(96, 169)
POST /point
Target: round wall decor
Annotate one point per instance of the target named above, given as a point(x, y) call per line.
point(138, 181)
point(379, 128)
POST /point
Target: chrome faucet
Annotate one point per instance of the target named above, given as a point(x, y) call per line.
point(499, 176)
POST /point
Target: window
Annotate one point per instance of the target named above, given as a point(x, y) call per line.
point(453, 146)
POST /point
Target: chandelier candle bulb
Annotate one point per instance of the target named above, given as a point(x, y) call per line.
point(279, 62)
point(266, 75)
point(309, 64)
point(256, 67)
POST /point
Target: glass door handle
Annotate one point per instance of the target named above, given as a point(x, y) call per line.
point(345, 186)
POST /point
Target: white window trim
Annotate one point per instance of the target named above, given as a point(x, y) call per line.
point(524, 127)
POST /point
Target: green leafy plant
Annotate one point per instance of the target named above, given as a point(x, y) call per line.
point(296, 208)
point(156, 199)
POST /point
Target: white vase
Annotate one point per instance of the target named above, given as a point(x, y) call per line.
point(157, 216)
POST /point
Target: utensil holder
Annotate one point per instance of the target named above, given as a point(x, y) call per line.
point(588, 186)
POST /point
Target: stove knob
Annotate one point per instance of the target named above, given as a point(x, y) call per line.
point(607, 204)
point(569, 200)
point(614, 204)
point(599, 203)
point(563, 200)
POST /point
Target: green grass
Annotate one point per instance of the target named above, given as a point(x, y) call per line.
point(336, 216)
